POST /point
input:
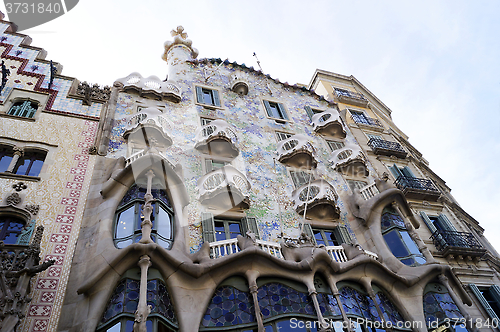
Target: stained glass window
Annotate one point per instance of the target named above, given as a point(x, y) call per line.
point(439, 307)
point(125, 298)
point(129, 218)
point(10, 229)
point(389, 311)
point(398, 240)
point(358, 304)
point(229, 306)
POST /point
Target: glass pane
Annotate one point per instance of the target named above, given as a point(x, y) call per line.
point(275, 113)
point(319, 237)
point(234, 230)
point(330, 236)
point(163, 243)
point(268, 328)
point(220, 234)
point(149, 326)
point(22, 166)
point(129, 326)
point(216, 164)
point(395, 244)
point(125, 223)
point(420, 260)
point(12, 232)
point(207, 97)
point(163, 224)
point(115, 328)
point(36, 167)
point(4, 163)
point(124, 244)
point(291, 326)
point(409, 242)
point(337, 326)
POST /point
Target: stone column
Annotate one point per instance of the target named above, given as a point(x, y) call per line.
point(147, 209)
point(313, 294)
point(336, 293)
point(143, 310)
point(18, 152)
point(372, 296)
point(258, 315)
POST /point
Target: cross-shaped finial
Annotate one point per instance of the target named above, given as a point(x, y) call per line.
point(179, 32)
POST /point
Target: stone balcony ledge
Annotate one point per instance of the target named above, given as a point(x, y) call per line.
point(224, 188)
point(217, 138)
point(148, 127)
point(151, 87)
point(350, 161)
point(321, 200)
point(297, 151)
point(328, 123)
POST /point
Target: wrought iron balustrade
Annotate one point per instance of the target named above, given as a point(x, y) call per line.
point(408, 182)
point(380, 146)
point(361, 119)
point(349, 94)
point(444, 239)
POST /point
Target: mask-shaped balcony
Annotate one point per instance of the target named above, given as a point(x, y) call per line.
point(151, 87)
point(217, 138)
point(328, 123)
point(147, 128)
point(417, 188)
point(321, 201)
point(224, 188)
point(350, 161)
point(297, 151)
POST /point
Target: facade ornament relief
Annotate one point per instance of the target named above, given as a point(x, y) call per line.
point(19, 186)
point(32, 208)
point(13, 199)
point(180, 38)
point(93, 93)
point(147, 210)
point(143, 309)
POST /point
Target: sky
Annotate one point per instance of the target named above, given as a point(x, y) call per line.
point(435, 64)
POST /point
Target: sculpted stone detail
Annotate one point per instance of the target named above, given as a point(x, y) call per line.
point(93, 93)
point(32, 208)
point(13, 199)
point(19, 186)
point(180, 38)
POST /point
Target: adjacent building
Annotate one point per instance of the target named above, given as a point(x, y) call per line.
point(221, 199)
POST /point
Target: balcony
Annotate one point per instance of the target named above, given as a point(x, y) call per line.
point(229, 247)
point(224, 188)
point(387, 148)
point(320, 198)
point(350, 161)
point(297, 151)
point(151, 87)
point(350, 97)
point(217, 138)
point(417, 188)
point(148, 128)
point(328, 123)
point(369, 191)
point(363, 120)
point(457, 243)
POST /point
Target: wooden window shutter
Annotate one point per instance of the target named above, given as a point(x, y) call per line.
point(207, 223)
point(445, 223)
point(428, 222)
point(483, 301)
point(495, 293)
point(307, 229)
point(309, 112)
point(342, 234)
point(268, 108)
point(250, 224)
point(282, 111)
point(407, 172)
point(215, 95)
point(25, 236)
point(199, 95)
point(395, 171)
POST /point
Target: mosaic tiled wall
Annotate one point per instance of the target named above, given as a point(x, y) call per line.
point(270, 182)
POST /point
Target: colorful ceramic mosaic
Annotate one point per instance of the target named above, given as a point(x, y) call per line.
point(229, 307)
point(439, 306)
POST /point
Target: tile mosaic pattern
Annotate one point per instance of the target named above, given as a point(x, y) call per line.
point(440, 306)
point(229, 307)
point(28, 72)
point(271, 184)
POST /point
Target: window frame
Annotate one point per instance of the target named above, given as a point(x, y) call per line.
point(216, 96)
point(284, 114)
point(208, 169)
point(278, 133)
point(18, 95)
point(291, 173)
point(329, 141)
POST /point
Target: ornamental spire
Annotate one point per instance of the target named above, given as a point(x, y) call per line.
point(180, 38)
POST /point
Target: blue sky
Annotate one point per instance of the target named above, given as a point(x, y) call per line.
point(436, 64)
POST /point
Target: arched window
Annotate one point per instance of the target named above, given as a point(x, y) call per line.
point(398, 240)
point(24, 108)
point(119, 313)
point(6, 154)
point(30, 163)
point(128, 218)
point(439, 309)
point(389, 310)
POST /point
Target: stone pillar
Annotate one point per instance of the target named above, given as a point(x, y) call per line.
point(313, 294)
point(18, 152)
point(143, 310)
point(252, 285)
point(147, 209)
point(336, 293)
point(372, 296)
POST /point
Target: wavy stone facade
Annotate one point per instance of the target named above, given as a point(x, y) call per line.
point(222, 199)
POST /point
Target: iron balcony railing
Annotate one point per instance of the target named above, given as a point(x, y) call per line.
point(361, 119)
point(349, 94)
point(407, 182)
point(445, 239)
point(380, 146)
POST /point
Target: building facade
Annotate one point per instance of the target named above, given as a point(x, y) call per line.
point(223, 199)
